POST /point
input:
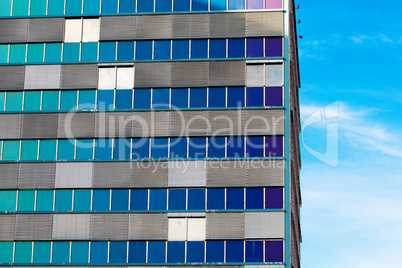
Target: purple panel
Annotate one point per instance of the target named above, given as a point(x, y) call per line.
point(273, 96)
point(255, 47)
point(273, 198)
point(255, 4)
point(273, 4)
point(273, 47)
point(273, 251)
point(273, 146)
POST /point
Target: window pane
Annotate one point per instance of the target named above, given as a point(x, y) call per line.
point(255, 75)
point(107, 51)
point(234, 251)
point(157, 199)
point(163, 5)
point(137, 252)
point(44, 200)
point(8, 200)
point(42, 252)
point(109, 7)
point(118, 252)
point(176, 251)
point(274, 251)
point(254, 198)
point(101, 199)
point(143, 48)
point(107, 78)
point(64, 200)
point(255, 47)
point(196, 229)
point(84, 150)
point(6, 249)
point(3, 53)
point(79, 252)
point(273, 146)
point(124, 99)
point(50, 101)
point(73, 7)
point(47, 150)
point(139, 199)
point(35, 52)
point(17, 53)
point(218, 4)
point(235, 198)
point(215, 251)
point(180, 49)
point(159, 148)
point(199, 5)
point(91, 6)
point(2, 99)
point(255, 147)
point(217, 97)
point(53, 52)
point(91, 30)
point(195, 251)
point(236, 48)
point(145, 6)
point(255, 96)
point(160, 98)
point(20, 7)
point(65, 150)
point(125, 78)
point(120, 200)
point(216, 198)
point(122, 148)
point(105, 100)
point(142, 98)
point(217, 48)
point(72, 30)
point(99, 252)
point(32, 100)
point(197, 147)
point(179, 98)
point(23, 252)
point(273, 96)
point(5, 7)
point(82, 200)
point(177, 229)
point(11, 150)
point(127, 6)
point(29, 150)
point(273, 75)
point(68, 100)
point(181, 5)
point(254, 251)
point(235, 96)
point(273, 198)
point(26, 200)
point(140, 149)
point(196, 199)
point(125, 50)
point(255, 4)
point(103, 149)
point(178, 148)
point(273, 47)
point(199, 48)
point(86, 100)
point(56, 7)
point(236, 4)
point(273, 4)
point(161, 50)
point(156, 249)
point(216, 147)
point(89, 51)
point(71, 52)
point(177, 199)
point(198, 97)
point(61, 252)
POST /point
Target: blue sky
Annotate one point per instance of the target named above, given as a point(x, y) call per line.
point(351, 53)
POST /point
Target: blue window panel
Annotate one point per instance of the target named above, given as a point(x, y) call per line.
point(26, 200)
point(8, 200)
point(255, 147)
point(124, 99)
point(17, 53)
point(99, 252)
point(101, 199)
point(103, 149)
point(273, 96)
point(217, 97)
point(163, 5)
point(47, 150)
point(156, 251)
point(31, 103)
point(162, 50)
point(159, 148)
point(105, 100)
point(139, 199)
point(53, 52)
point(68, 100)
point(234, 251)
point(235, 198)
point(127, 6)
point(255, 96)
point(82, 200)
point(178, 148)
point(125, 50)
point(109, 7)
point(35, 52)
point(119, 199)
point(142, 99)
point(64, 200)
point(216, 198)
point(197, 147)
point(217, 48)
point(195, 251)
point(2, 100)
point(215, 251)
point(145, 6)
point(176, 250)
point(44, 200)
point(199, 49)
point(50, 101)
point(23, 252)
point(161, 98)
point(73, 7)
point(157, 199)
point(255, 47)
point(41, 252)
point(55, 7)
point(20, 7)
point(118, 252)
point(107, 51)
point(29, 150)
point(200, 5)
point(89, 52)
point(6, 249)
point(5, 8)
point(273, 198)
point(86, 100)
point(180, 49)
point(216, 147)
point(61, 252)
point(71, 52)
point(236, 48)
point(218, 4)
point(143, 49)
point(4, 53)
point(254, 251)
point(179, 98)
point(177, 199)
point(237, 5)
point(198, 97)
point(274, 251)
point(235, 96)
point(79, 252)
point(122, 148)
point(254, 198)
point(65, 150)
point(181, 5)
point(140, 149)
point(91, 6)
point(84, 149)
point(137, 252)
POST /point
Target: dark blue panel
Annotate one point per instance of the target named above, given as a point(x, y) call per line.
point(198, 97)
point(236, 48)
point(139, 199)
point(254, 198)
point(235, 198)
point(156, 250)
point(255, 147)
point(118, 252)
point(158, 199)
point(159, 148)
point(273, 96)
point(197, 147)
point(216, 147)
point(142, 99)
point(176, 251)
point(119, 199)
point(236, 5)
point(143, 48)
point(273, 146)
point(178, 148)
point(180, 49)
point(137, 252)
point(105, 100)
point(215, 251)
point(163, 5)
point(99, 252)
point(109, 7)
point(196, 199)
point(103, 149)
point(145, 6)
point(161, 98)
point(234, 251)
point(217, 97)
point(216, 198)
point(125, 50)
point(254, 251)
point(273, 198)
point(195, 251)
point(235, 147)
point(235, 96)
point(162, 50)
point(218, 4)
point(217, 48)
point(121, 149)
point(199, 48)
point(181, 5)
point(274, 251)
point(255, 47)
point(127, 6)
point(199, 5)
point(255, 96)
point(140, 149)
point(177, 199)
point(107, 51)
point(179, 98)
point(124, 99)
point(101, 200)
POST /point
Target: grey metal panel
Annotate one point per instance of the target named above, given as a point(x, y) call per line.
point(153, 74)
point(265, 173)
point(192, 123)
point(225, 122)
point(45, 30)
point(148, 226)
point(265, 225)
point(111, 174)
point(10, 126)
point(150, 124)
point(12, 77)
point(227, 73)
point(37, 175)
point(13, 30)
point(8, 176)
point(264, 122)
point(188, 26)
point(113, 124)
point(187, 173)
point(225, 225)
point(147, 174)
point(109, 227)
point(75, 125)
point(74, 175)
point(71, 226)
point(7, 227)
point(223, 173)
point(264, 23)
point(34, 227)
point(117, 28)
point(39, 125)
point(187, 74)
point(42, 77)
point(154, 27)
point(79, 76)
point(230, 25)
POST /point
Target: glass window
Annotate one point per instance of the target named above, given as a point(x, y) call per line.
point(125, 78)
point(140, 149)
point(8, 200)
point(163, 5)
point(236, 5)
point(3, 53)
point(255, 96)
point(127, 6)
point(107, 51)
point(2, 99)
point(218, 4)
point(254, 198)
point(35, 52)
point(177, 229)
point(217, 48)
point(274, 251)
point(17, 53)
point(255, 47)
point(217, 97)
point(235, 198)
point(44, 200)
point(145, 6)
point(273, 47)
point(142, 98)
point(121, 149)
point(195, 251)
point(71, 52)
point(139, 199)
point(273, 146)
point(118, 252)
point(215, 251)
point(109, 7)
point(85, 149)
point(89, 51)
point(143, 48)
point(68, 100)
point(61, 252)
point(160, 98)
point(64, 200)
point(82, 200)
point(47, 150)
point(99, 252)
point(105, 100)
point(198, 97)
point(157, 199)
point(159, 148)
point(42, 252)
point(216, 198)
point(273, 4)
point(255, 147)
point(91, 7)
point(178, 148)
point(181, 5)
point(32, 100)
point(107, 78)
point(196, 230)
point(236, 48)
point(273, 96)
point(124, 99)
point(273, 75)
point(176, 251)
point(177, 199)
point(72, 30)
point(234, 251)
point(255, 4)
point(254, 251)
point(100, 200)
point(125, 50)
point(235, 96)
point(55, 7)
point(79, 252)
point(162, 50)
point(73, 7)
point(119, 199)
point(180, 49)
point(5, 8)
point(179, 98)
point(23, 252)
point(53, 52)
point(91, 30)
point(65, 150)
point(200, 5)
point(11, 150)
point(273, 198)
point(137, 251)
point(6, 249)
point(29, 150)
point(86, 100)
point(196, 199)
point(50, 101)
point(20, 7)
point(199, 48)
point(103, 149)
point(216, 147)
point(156, 249)
point(255, 75)
point(26, 200)
point(197, 147)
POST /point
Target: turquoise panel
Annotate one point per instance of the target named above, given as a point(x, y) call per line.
point(44, 200)
point(17, 53)
point(86, 99)
point(35, 52)
point(79, 252)
point(14, 101)
point(53, 52)
point(29, 150)
point(85, 149)
point(64, 200)
point(89, 51)
point(50, 101)
point(3, 53)
point(82, 200)
point(20, 7)
point(23, 252)
point(71, 52)
point(56, 7)
point(26, 200)
point(38, 7)
point(5, 7)
point(6, 249)
point(68, 100)
point(32, 100)
point(61, 252)
point(73, 7)
point(8, 200)
point(47, 150)
point(2, 99)
point(91, 6)
point(65, 150)
point(11, 150)
point(41, 252)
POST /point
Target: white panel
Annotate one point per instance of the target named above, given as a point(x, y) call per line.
point(187, 173)
point(125, 78)
point(72, 31)
point(273, 75)
point(71, 226)
point(255, 75)
point(196, 229)
point(73, 175)
point(91, 30)
point(107, 78)
point(177, 229)
point(265, 225)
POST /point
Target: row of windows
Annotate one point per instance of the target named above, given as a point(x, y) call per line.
point(94, 7)
point(120, 252)
point(141, 50)
point(141, 199)
point(142, 148)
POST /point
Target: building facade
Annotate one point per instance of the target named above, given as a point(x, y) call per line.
point(149, 133)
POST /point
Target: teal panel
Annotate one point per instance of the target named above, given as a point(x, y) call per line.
point(23, 252)
point(73, 7)
point(44, 200)
point(35, 52)
point(29, 150)
point(50, 101)
point(38, 7)
point(26, 200)
point(71, 52)
point(64, 200)
point(89, 51)
point(85, 149)
point(3, 53)
point(2, 99)
point(5, 7)
point(61, 252)
point(68, 100)
point(53, 52)
point(11, 150)
point(8, 200)
point(14, 101)
point(56, 7)
point(87, 100)
point(17, 53)
point(65, 150)
point(42, 252)
point(20, 7)
point(91, 6)
point(79, 252)
point(32, 100)
point(47, 150)
point(6, 249)
point(82, 200)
